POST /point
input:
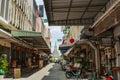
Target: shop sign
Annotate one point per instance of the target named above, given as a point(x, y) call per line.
point(47, 38)
point(64, 31)
point(18, 48)
point(45, 20)
point(106, 41)
point(68, 27)
point(63, 51)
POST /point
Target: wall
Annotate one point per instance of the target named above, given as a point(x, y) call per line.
point(117, 46)
point(74, 32)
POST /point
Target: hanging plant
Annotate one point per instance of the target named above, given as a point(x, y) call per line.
point(85, 63)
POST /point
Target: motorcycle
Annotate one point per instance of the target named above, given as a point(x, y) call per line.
point(72, 72)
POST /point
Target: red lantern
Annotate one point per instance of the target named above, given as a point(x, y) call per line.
point(18, 48)
point(71, 40)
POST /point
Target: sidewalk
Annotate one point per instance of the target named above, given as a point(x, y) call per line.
point(38, 75)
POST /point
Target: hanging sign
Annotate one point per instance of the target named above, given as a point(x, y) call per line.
point(68, 27)
point(64, 31)
point(18, 48)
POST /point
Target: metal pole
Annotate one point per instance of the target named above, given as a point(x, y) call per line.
point(77, 74)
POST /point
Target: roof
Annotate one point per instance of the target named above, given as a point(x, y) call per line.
point(73, 12)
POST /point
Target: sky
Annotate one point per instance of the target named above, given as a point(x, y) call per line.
point(55, 30)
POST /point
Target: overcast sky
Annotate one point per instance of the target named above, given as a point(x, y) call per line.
point(55, 30)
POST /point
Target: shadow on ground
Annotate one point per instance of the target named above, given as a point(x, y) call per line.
point(24, 74)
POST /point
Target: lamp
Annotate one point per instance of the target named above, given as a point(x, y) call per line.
point(82, 55)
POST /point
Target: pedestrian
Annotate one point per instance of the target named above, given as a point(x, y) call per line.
point(108, 77)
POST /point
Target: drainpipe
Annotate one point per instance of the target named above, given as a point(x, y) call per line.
point(88, 42)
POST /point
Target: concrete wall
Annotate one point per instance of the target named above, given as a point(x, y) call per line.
point(117, 31)
point(74, 33)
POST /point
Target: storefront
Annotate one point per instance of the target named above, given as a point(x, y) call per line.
point(19, 56)
point(5, 49)
point(34, 39)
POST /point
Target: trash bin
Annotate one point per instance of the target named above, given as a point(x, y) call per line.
point(17, 72)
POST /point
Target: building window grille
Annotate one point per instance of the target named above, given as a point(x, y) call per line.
point(2, 8)
point(6, 12)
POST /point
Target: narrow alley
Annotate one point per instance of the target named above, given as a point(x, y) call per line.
point(59, 39)
point(56, 73)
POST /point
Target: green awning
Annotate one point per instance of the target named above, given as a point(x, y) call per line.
point(17, 33)
point(34, 38)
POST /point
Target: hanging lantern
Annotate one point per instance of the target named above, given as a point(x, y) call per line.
point(71, 40)
point(18, 48)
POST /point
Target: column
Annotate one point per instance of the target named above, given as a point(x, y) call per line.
point(117, 48)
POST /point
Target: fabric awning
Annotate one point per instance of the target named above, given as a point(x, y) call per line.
point(65, 46)
point(68, 51)
point(34, 38)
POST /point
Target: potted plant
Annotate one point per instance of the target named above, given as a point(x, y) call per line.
point(3, 66)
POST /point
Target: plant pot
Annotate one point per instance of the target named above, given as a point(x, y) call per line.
point(1, 77)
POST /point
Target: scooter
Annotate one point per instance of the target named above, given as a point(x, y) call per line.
point(72, 73)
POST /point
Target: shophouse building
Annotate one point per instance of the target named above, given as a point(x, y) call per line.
point(20, 38)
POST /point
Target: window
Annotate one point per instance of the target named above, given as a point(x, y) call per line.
point(6, 12)
point(2, 8)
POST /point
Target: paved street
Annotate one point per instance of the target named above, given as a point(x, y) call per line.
point(39, 75)
point(55, 73)
point(51, 72)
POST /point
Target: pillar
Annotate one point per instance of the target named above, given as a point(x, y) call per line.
point(117, 46)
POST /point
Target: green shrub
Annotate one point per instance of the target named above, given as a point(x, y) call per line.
point(3, 65)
